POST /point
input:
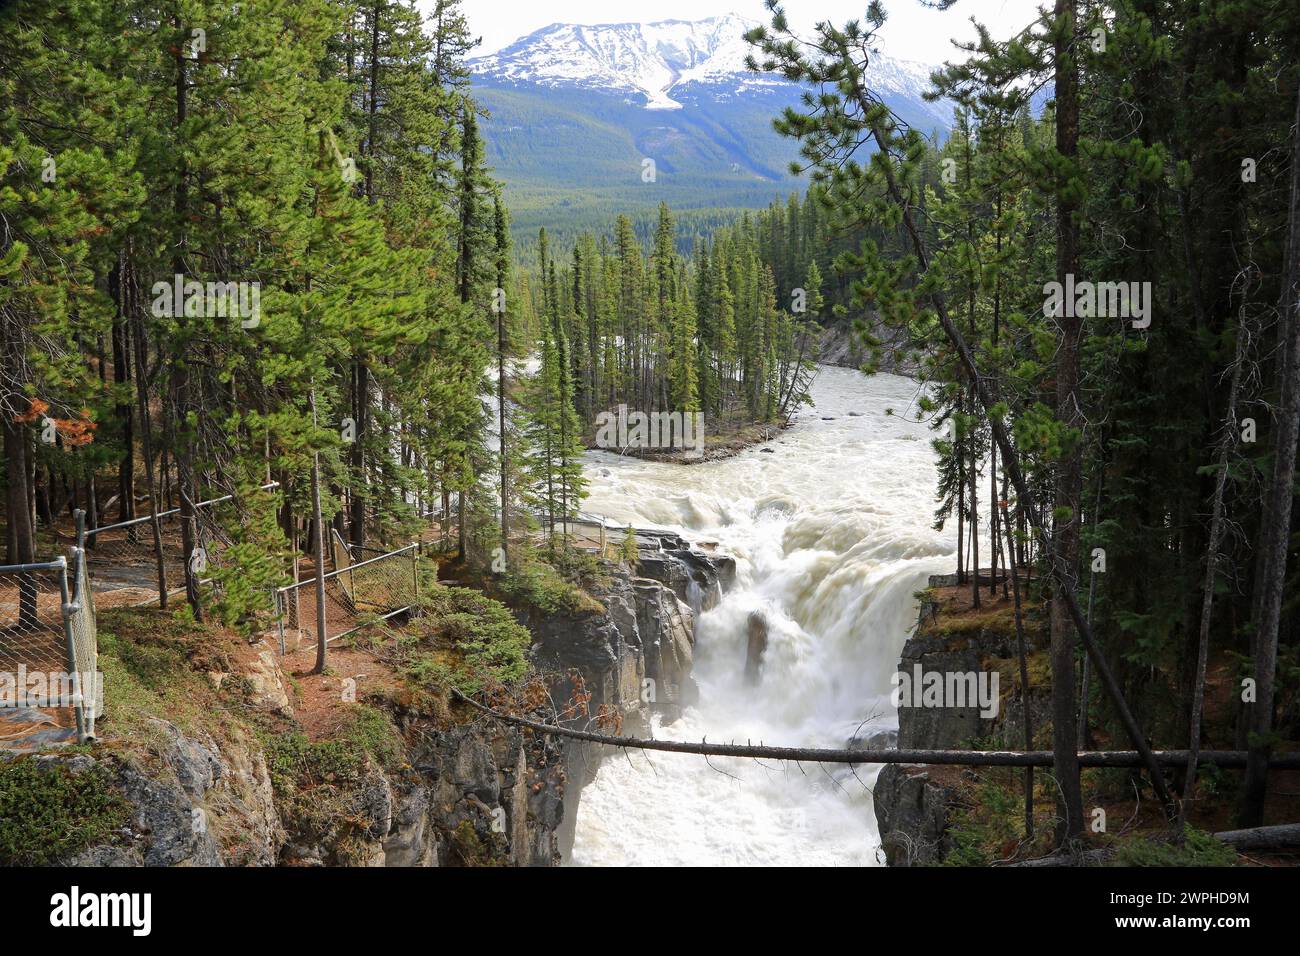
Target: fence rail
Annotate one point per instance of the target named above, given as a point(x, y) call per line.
point(48, 633)
point(357, 593)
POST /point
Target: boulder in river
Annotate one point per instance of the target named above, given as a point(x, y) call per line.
point(756, 646)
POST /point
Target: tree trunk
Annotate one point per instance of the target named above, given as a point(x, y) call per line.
point(501, 425)
point(974, 522)
point(1227, 439)
point(22, 542)
point(318, 541)
point(1069, 478)
point(1277, 514)
point(1024, 678)
point(122, 375)
point(1092, 603)
point(146, 438)
point(961, 512)
point(361, 421)
point(1283, 837)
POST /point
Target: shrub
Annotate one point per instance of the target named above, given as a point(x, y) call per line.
point(485, 642)
point(537, 586)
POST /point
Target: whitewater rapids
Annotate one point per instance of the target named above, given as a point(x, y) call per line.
point(832, 534)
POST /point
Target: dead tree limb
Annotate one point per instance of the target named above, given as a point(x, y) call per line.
point(1226, 759)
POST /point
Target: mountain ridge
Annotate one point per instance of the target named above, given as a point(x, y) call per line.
point(577, 110)
point(653, 59)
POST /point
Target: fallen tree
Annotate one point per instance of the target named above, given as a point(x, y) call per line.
point(1225, 759)
point(1283, 837)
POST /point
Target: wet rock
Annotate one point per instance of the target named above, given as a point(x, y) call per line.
point(883, 739)
point(667, 626)
point(755, 646)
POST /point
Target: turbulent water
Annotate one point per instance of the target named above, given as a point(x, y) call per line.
point(832, 535)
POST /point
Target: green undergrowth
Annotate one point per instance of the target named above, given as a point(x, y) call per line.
point(1197, 848)
point(470, 848)
point(987, 824)
point(156, 665)
point(557, 585)
point(462, 638)
point(50, 811)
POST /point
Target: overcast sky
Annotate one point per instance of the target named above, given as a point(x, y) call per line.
point(912, 32)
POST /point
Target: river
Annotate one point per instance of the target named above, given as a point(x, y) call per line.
point(833, 535)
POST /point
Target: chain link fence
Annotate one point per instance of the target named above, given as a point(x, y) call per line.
point(49, 649)
point(148, 555)
point(357, 593)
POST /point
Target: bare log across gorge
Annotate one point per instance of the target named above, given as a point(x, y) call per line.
point(1225, 759)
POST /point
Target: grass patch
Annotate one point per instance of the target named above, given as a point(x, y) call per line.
point(989, 828)
point(145, 658)
point(155, 666)
point(1038, 665)
point(49, 812)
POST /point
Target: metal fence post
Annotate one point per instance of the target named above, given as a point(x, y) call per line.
point(279, 616)
point(71, 646)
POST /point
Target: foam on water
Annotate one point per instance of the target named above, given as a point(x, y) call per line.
point(833, 536)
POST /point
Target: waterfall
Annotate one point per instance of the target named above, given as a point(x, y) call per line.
point(832, 530)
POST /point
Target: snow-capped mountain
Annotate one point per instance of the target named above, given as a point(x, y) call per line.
point(660, 61)
point(587, 122)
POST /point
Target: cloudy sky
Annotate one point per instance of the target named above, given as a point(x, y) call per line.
point(912, 31)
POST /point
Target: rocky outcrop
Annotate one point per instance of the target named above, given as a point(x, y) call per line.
point(490, 796)
point(204, 805)
point(697, 574)
point(636, 658)
point(840, 345)
point(911, 815)
point(913, 803)
point(755, 646)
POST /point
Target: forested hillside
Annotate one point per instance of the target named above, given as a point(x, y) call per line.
point(666, 112)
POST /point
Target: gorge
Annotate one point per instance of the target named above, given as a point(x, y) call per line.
point(830, 528)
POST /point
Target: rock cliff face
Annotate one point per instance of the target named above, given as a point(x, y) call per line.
point(638, 656)
point(475, 794)
point(912, 803)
